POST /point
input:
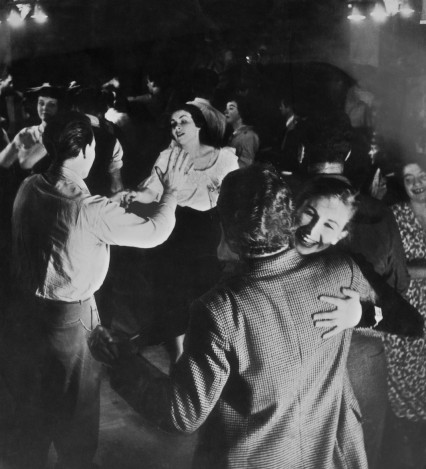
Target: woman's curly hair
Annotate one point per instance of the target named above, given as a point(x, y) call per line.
point(256, 211)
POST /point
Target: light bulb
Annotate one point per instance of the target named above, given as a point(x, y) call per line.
point(15, 19)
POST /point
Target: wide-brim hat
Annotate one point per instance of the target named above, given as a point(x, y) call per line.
point(48, 90)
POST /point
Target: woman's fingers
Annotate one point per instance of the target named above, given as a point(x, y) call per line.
point(326, 316)
point(331, 333)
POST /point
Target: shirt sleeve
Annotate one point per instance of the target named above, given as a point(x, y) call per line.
point(201, 373)
point(153, 182)
point(117, 227)
point(248, 148)
point(117, 158)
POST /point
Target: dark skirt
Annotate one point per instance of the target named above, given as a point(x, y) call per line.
point(149, 291)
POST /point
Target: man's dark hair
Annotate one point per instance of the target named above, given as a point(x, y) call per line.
point(245, 108)
point(90, 101)
point(66, 134)
point(255, 209)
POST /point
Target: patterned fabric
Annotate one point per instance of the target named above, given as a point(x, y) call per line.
point(272, 393)
point(407, 357)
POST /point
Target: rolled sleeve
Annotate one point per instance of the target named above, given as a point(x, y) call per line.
point(117, 158)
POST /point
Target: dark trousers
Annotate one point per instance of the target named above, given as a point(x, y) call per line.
point(57, 385)
point(367, 372)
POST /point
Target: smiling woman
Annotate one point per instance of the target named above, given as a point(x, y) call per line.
point(324, 209)
point(407, 359)
point(208, 164)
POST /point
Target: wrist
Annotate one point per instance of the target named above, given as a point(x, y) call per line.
point(171, 191)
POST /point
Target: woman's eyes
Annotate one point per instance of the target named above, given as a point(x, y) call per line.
point(175, 124)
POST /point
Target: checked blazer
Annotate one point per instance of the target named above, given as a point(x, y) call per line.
point(267, 391)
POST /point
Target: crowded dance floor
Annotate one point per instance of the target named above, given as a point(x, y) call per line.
point(212, 234)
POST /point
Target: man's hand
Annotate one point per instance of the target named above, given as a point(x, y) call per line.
point(178, 167)
point(346, 314)
point(120, 197)
point(103, 345)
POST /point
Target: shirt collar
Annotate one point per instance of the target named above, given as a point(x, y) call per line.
point(243, 128)
point(93, 120)
point(290, 121)
point(68, 175)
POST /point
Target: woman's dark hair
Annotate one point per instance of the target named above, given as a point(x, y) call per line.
point(412, 158)
point(255, 208)
point(199, 121)
point(66, 134)
point(328, 187)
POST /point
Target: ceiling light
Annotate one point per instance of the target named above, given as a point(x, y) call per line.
point(405, 9)
point(392, 6)
point(39, 15)
point(379, 13)
point(356, 14)
point(15, 19)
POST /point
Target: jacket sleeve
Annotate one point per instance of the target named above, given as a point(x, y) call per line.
point(201, 373)
point(399, 316)
point(182, 401)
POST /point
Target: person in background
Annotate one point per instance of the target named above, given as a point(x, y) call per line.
point(105, 176)
point(27, 147)
point(244, 139)
point(407, 357)
point(61, 239)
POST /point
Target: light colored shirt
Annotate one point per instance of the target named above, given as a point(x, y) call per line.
point(246, 143)
point(200, 189)
point(61, 234)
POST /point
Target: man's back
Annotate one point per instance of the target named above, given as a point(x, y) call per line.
point(287, 401)
point(62, 233)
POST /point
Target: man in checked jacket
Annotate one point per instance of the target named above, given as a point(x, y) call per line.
point(270, 390)
point(264, 386)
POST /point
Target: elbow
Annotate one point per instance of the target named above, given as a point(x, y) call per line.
point(163, 232)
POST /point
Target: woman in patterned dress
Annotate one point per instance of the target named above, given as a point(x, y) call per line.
point(406, 356)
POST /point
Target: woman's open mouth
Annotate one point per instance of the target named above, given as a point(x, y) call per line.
point(307, 241)
point(304, 239)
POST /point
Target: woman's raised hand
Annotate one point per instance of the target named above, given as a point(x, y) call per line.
point(346, 314)
point(178, 167)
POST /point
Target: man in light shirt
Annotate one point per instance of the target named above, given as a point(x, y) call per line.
point(61, 238)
